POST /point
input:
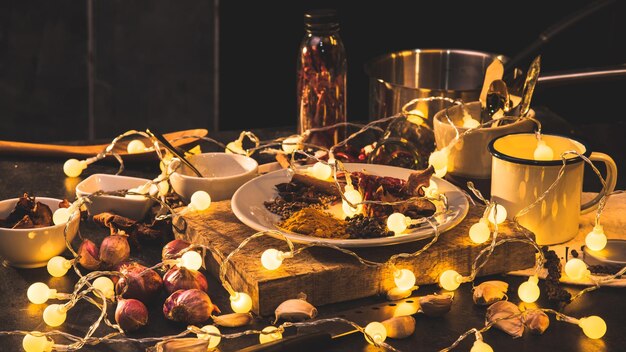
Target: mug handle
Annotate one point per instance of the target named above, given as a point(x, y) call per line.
point(611, 180)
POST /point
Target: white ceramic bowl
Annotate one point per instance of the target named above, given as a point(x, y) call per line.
point(223, 174)
point(131, 207)
point(32, 248)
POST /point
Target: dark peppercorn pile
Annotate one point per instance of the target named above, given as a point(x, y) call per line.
point(553, 288)
point(361, 226)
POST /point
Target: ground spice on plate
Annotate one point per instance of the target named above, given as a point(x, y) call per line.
point(314, 222)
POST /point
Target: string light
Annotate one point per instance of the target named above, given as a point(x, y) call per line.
point(479, 232)
point(55, 314)
point(432, 191)
point(499, 217)
point(439, 161)
point(58, 266)
point(596, 239)
point(593, 326)
point(481, 346)
point(61, 216)
point(105, 285)
point(397, 223)
point(32, 343)
point(240, 302)
point(270, 333)
point(416, 116)
point(543, 151)
point(135, 146)
point(469, 122)
point(450, 280)
point(292, 143)
point(74, 167)
point(576, 269)
point(354, 197)
point(235, 147)
point(191, 260)
point(321, 171)
point(200, 200)
point(271, 259)
point(39, 293)
point(404, 279)
point(377, 332)
point(529, 291)
point(212, 339)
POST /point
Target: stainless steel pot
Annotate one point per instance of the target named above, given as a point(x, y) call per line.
point(397, 78)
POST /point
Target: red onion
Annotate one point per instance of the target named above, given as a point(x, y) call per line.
point(114, 250)
point(174, 247)
point(131, 314)
point(189, 306)
point(179, 278)
point(143, 287)
point(88, 255)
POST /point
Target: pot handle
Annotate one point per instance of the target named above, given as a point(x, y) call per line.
point(611, 180)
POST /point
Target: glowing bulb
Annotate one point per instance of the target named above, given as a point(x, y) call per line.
point(480, 346)
point(191, 260)
point(136, 146)
point(61, 216)
point(529, 291)
point(321, 171)
point(58, 266)
point(292, 143)
point(500, 217)
point(594, 326)
point(32, 343)
point(241, 302)
point(235, 147)
point(200, 200)
point(543, 151)
point(376, 331)
point(354, 197)
point(450, 280)
point(404, 279)
point(469, 122)
point(416, 116)
point(213, 340)
point(441, 172)
point(479, 232)
point(74, 167)
point(596, 239)
point(576, 269)
point(272, 333)
point(432, 191)
point(39, 293)
point(105, 285)
point(272, 259)
point(54, 315)
point(439, 159)
point(397, 223)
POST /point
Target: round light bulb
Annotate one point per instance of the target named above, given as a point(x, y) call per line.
point(54, 315)
point(105, 285)
point(594, 326)
point(404, 279)
point(529, 291)
point(354, 197)
point(272, 259)
point(480, 346)
point(191, 260)
point(543, 151)
point(74, 167)
point(136, 146)
point(321, 171)
point(58, 266)
point(450, 280)
point(416, 116)
point(439, 159)
point(213, 340)
point(235, 147)
point(397, 223)
point(596, 239)
point(61, 216)
point(479, 232)
point(200, 200)
point(32, 343)
point(576, 269)
point(500, 217)
point(241, 302)
point(271, 334)
point(291, 144)
point(441, 172)
point(39, 293)
point(469, 122)
point(432, 191)
point(376, 331)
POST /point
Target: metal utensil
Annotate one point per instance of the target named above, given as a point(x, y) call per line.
point(497, 98)
point(494, 72)
point(529, 85)
point(179, 154)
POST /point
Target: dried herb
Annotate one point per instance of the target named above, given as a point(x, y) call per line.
point(157, 231)
point(29, 213)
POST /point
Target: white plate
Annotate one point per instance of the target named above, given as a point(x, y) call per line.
point(247, 204)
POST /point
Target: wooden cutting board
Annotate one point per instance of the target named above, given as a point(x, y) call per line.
point(327, 276)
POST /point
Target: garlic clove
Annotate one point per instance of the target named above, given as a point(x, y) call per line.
point(233, 320)
point(396, 293)
point(186, 344)
point(490, 292)
point(435, 305)
point(536, 321)
point(400, 327)
point(507, 317)
point(295, 310)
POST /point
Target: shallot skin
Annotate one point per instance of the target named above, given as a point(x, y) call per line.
point(189, 306)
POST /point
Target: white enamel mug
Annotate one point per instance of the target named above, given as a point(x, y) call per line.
point(517, 180)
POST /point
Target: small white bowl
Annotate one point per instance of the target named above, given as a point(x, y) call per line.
point(131, 207)
point(223, 174)
point(32, 248)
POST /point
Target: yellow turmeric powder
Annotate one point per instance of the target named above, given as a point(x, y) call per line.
point(315, 222)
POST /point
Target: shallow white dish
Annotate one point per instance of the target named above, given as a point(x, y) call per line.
point(131, 207)
point(32, 248)
point(247, 205)
point(223, 174)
